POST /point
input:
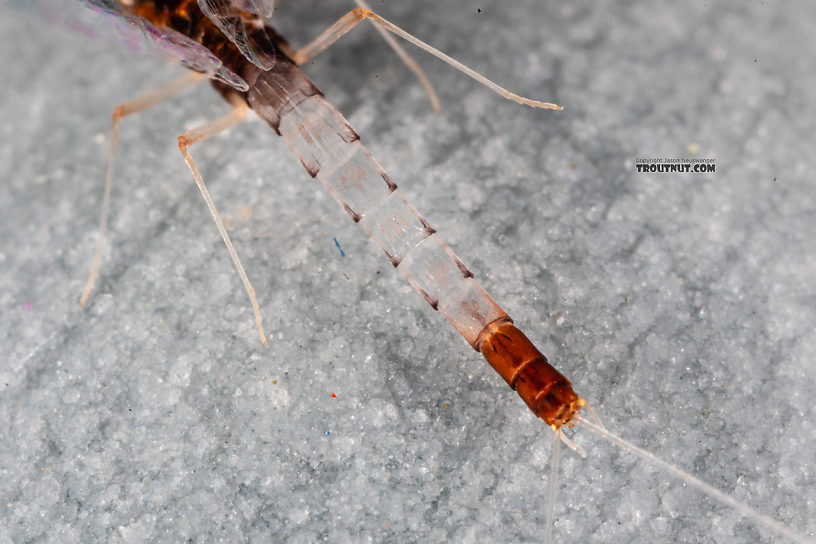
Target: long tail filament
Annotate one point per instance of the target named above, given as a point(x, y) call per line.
point(552, 486)
point(696, 483)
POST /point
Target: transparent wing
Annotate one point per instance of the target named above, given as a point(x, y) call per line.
point(264, 8)
point(139, 34)
point(176, 47)
point(247, 34)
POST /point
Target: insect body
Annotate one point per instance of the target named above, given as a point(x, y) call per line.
point(254, 69)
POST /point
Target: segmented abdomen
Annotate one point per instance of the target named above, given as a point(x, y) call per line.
point(330, 150)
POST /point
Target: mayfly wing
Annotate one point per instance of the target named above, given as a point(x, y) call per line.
point(244, 28)
point(172, 46)
point(264, 8)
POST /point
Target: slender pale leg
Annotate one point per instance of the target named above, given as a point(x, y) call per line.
point(403, 55)
point(146, 101)
point(352, 18)
point(200, 134)
point(408, 60)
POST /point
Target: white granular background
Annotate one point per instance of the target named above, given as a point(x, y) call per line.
point(682, 306)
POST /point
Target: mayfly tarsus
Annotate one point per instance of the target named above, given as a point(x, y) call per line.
point(392, 260)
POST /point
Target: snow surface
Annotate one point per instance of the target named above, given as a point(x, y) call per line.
point(682, 306)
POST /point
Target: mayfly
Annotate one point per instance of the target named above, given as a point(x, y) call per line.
point(252, 66)
point(253, 69)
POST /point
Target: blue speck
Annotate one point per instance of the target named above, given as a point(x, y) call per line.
point(342, 253)
point(328, 433)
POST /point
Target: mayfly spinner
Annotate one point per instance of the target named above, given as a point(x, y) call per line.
point(252, 66)
point(255, 68)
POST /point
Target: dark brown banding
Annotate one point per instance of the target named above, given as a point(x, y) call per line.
point(432, 301)
point(392, 186)
point(356, 217)
point(312, 170)
point(350, 135)
point(466, 273)
point(427, 226)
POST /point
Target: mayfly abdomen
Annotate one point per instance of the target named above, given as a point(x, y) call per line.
point(330, 150)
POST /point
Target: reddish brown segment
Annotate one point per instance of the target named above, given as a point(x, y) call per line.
point(548, 393)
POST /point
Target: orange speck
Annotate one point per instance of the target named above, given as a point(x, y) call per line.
point(334, 396)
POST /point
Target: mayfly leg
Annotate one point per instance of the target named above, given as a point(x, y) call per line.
point(199, 134)
point(351, 19)
point(142, 103)
point(408, 60)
